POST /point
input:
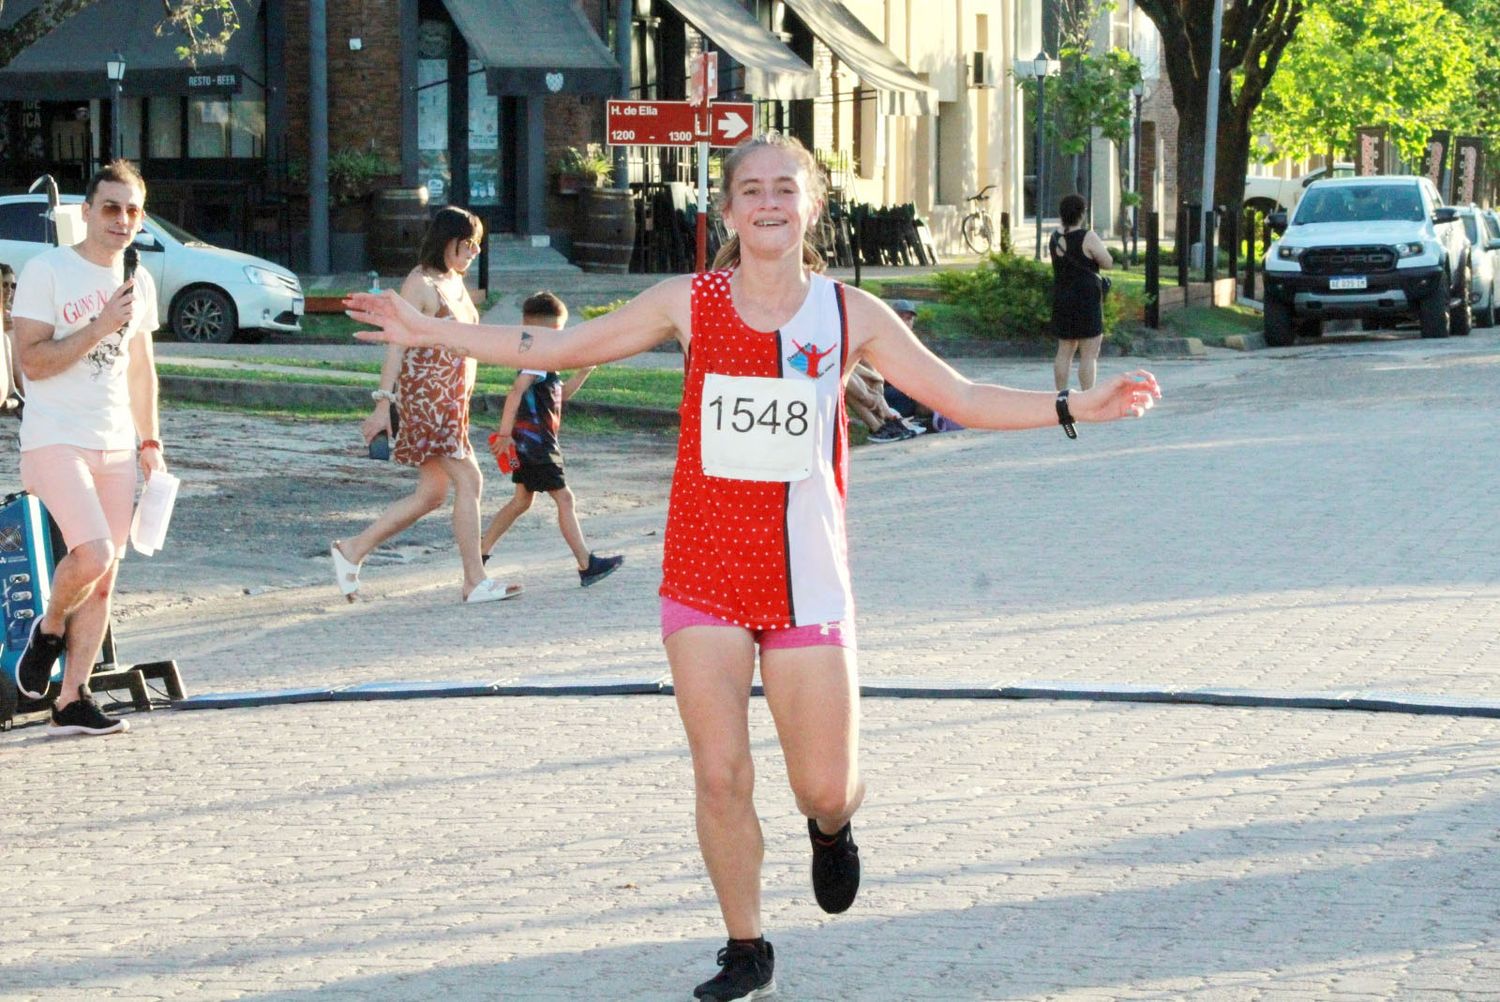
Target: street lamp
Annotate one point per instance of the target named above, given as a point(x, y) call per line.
point(1141, 92)
point(1039, 68)
point(114, 68)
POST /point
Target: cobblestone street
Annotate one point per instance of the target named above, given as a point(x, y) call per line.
point(1308, 519)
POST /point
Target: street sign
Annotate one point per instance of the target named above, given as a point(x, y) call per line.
point(676, 123)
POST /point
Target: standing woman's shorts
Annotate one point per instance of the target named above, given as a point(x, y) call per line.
point(676, 616)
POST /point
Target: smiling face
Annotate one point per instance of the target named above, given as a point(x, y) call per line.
point(114, 215)
point(460, 254)
point(770, 200)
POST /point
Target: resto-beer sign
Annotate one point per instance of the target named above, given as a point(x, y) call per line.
point(678, 123)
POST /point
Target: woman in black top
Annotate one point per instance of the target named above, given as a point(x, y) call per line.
point(1078, 255)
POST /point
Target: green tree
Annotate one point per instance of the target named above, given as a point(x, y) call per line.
point(1255, 34)
point(1478, 110)
point(1403, 64)
point(1092, 92)
point(206, 25)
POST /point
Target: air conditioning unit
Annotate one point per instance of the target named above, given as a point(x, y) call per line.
point(981, 70)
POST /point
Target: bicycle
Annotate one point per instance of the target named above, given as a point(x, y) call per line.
point(978, 229)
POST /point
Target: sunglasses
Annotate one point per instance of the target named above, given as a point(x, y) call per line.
point(114, 211)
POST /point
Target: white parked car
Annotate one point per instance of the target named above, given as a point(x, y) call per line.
point(1484, 262)
point(1372, 249)
point(1268, 194)
point(206, 294)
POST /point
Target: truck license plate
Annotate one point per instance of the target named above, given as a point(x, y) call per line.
point(1356, 282)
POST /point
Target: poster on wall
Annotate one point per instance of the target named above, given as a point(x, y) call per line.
point(1435, 158)
point(1369, 154)
point(432, 128)
point(484, 139)
point(1468, 169)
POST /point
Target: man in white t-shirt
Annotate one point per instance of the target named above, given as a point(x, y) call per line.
point(83, 339)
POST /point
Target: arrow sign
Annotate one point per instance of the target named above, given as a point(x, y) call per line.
point(675, 123)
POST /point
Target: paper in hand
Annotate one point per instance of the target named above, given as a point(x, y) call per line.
point(153, 513)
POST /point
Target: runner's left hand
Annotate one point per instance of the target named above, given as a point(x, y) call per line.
point(1130, 394)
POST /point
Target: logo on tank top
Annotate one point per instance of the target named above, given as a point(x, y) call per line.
point(808, 360)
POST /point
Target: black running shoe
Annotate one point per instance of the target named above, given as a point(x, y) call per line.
point(747, 973)
point(599, 568)
point(835, 868)
point(34, 670)
point(83, 716)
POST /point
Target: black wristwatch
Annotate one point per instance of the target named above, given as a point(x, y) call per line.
point(1065, 416)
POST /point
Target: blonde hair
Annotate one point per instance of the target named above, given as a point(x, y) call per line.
point(729, 254)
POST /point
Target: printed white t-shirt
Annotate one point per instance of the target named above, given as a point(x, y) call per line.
point(88, 404)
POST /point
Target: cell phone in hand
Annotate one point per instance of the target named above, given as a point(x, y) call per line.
point(380, 446)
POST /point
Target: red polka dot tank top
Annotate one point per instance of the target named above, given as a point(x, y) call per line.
point(763, 554)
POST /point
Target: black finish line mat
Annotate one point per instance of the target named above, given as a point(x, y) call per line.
point(606, 685)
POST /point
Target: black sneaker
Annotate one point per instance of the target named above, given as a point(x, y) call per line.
point(599, 568)
point(34, 670)
point(747, 973)
point(892, 431)
point(83, 716)
point(835, 868)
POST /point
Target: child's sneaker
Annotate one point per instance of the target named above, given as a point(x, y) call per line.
point(835, 867)
point(747, 973)
point(34, 669)
point(83, 716)
point(599, 568)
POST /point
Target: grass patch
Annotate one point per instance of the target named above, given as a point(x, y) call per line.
point(257, 375)
point(661, 388)
point(288, 413)
point(1211, 324)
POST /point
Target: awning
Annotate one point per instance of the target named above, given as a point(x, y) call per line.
point(902, 92)
point(536, 46)
point(772, 70)
point(67, 64)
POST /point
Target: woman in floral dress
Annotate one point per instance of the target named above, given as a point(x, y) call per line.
point(430, 388)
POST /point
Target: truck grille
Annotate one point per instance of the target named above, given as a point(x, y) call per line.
point(1347, 260)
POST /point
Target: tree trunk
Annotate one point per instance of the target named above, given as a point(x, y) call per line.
point(1255, 33)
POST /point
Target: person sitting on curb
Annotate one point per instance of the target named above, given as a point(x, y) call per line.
point(864, 395)
point(531, 420)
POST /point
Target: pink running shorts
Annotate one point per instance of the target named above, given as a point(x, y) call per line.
point(675, 616)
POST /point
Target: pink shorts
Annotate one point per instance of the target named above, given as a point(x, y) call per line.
point(89, 492)
point(675, 616)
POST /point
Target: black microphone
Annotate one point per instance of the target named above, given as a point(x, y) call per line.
point(132, 259)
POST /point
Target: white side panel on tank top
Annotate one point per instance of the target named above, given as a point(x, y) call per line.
point(817, 558)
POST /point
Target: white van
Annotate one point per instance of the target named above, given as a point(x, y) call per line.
point(206, 294)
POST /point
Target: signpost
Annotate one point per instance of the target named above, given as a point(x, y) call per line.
point(699, 121)
point(675, 123)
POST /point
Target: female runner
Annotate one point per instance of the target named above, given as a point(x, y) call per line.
point(754, 553)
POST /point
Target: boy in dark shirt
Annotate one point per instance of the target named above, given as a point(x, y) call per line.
point(531, 420)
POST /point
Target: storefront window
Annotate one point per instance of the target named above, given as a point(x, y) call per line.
point(432, 110)
point(208, 127)
point(165, 116)
point(484, 139)
point(130, 127)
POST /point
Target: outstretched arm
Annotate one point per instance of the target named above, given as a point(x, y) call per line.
point(907, 363)
point(650, 318)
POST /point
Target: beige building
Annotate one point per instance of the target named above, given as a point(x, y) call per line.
point(971, 126)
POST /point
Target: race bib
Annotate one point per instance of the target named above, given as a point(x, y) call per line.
point(756, 428)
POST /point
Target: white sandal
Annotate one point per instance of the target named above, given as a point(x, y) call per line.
point(490, 590)
point(345, 571)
